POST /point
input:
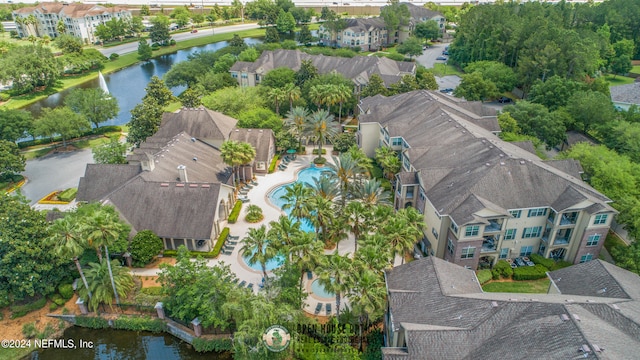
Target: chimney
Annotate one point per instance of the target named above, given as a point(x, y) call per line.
point(147, 162)
point(182, 172)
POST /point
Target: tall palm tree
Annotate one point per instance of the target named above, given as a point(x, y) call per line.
point(98, 277)
point(307, 252)
point(317, 94)
point(66, 239)
point(321, 127)
point(371, 192)
point(402, 235)
point(296, 121)
point(257, 248)
point(333, 275)
point(415, 224)
point(103, 229)
point(276, 95)
point(322, 210)
point(295, 197)
point(380, 215)
point(325, 187)
point(282, 234)
point(229, 153)
point(330, 95)
point(388, 160)
point(292, 93)
point(356, 215)
point(345, 169)
point(246, 154)
point(374, 253)
point(367, 295)
point(361, 158)
point(343, 94)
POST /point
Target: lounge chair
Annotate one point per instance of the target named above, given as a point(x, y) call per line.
point(232, 242)
point(253, 182)
point(309, 275)
point(242, 283)
point(231, 237)
point(225, 252)
point(318, 308)
point(328, 308)
point(250, 286)
point(244, 200)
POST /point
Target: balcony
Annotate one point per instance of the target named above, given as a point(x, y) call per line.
point(569, 219)
point(561, 241)
point(493, 226)
point(490, 244)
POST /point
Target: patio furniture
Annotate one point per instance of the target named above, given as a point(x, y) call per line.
point(232, 242)
point(253, 182)
point(250, 286)
point(234, 237)
point(225, 252)
point(318, 308)
point(309, 275)
point(242, 283)
point(328, 308)
point(244, 199)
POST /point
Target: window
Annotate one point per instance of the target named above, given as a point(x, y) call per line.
point(450, 247)
point(510, 234)
point(468, 252)
point(434, 232)
point(526, 250)
point(585, 258)
point(504, 253)
point(593, 240)
point(537, 212)
point(516, 213)
point(454, 227)
point(472, 230)
point(396, 141)
point(531, 232)
point(600, 219)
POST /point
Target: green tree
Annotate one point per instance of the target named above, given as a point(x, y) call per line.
point(145, 120)
point(94, 104)
point(621, 65)
point(98, 281)
point(294, 199)
point(144, 10)
point(306, 252)
point(259, 118)
point(295, 122)
point(428, 30)
point(61, 121)
point(343, 142)
point(237, 153)
point(29, 68)
point(508, 124)
point(333, 275)
point(282, 234)
point(554, 92)
point(304, 35)
point(388, 160)
point(271, 35)
point(306, 72)
point(474, 87)
point(395, 16)
point(590, 109)
point(11, 161)
point(144, 50)
point(411, 46)
point(238, 43)
point(112, 152)
point(285, 22)
point(190, 98)
point(69, 44)
point(321, 127)
point(277, 96)
point(374, 87)
point(425, 78)
point(249, 55)
point(345, 171)
point(157, 91)
point(500, 74)
point(234, 100)
point(144, 246)
point(343, 94)
point(535, 120)
point(160, 30)
point(356, 214)
point(224, 63)
point(371, 192)
point(257, 249)
point(15, 124)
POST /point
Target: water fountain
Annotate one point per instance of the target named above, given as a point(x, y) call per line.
point(103, 83)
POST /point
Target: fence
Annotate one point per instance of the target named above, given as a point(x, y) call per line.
point(126, 309)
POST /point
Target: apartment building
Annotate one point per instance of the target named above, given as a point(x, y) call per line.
point(483, 199)
point(418, 14)
point(80, 20)
point(367, 34)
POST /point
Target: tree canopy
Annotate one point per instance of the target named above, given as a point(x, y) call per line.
point(15, 124)
point(29, 68)
point(94, 104)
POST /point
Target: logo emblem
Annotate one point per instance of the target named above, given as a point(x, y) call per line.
point(276, 338)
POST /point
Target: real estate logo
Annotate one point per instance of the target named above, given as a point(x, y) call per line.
point(276, 338)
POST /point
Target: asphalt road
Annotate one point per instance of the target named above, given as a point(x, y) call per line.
point(54, 172)
point(428, 59)
point(133, 47)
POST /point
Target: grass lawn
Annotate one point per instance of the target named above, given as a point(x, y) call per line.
point(618, 80)
point(12, 354)
point(37, 151)
point(440, 69)
point(529, 287)
point(636, 69)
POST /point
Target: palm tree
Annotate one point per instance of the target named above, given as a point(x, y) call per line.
point(415, 224)
point(66, 240)
point(257, 247)
point(282, 234)
point(291, 92)
point(325, 187)
point(296, 121)
point(322, 210)
point(380, 215)
point(317, 94)
point(333, 275)
point(276, 95)
point(321, 127)
point(103, 229)
point(229, 153)
point(374, 253)
point(330, 95)
point(246, 154)
point(356, 216)
point(402, 234)
point(367, 295)
point(371, 192)
point(98, 277)
point(345, 169)
point(294, 198)
point(343, 94)
point(361, 158)
point(307, 252)
point(388, 160)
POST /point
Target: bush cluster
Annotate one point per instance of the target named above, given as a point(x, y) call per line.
point(233, 217)
point(22, 310)
point(501, 269)
point(217, 345)
point(319, 161)
point(144, 246)
point(97, 131)
point(57, 299)
point(114, 56)
point(220, 242)
point(139, 324)
point(550, 264)
point(315, 151)
point(529, 272)
point(92, 322)
point(272, 166)
point(484, 276)
point(66, 291)
point(68, 195)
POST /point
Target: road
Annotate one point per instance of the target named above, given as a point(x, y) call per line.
point(133, 47)
point(54, 172)
point(428, 59)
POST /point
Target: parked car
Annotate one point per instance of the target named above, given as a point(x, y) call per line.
point(194, 31)
point(519, 262)
point(447, 90)
point(445, 52)
point(443, 58)
point(504, 100)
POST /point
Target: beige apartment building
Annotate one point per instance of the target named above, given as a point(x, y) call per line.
point(483, 199)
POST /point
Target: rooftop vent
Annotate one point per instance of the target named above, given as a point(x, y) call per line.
point(182, 173)
point(502, 163)
point(193, 139)
point(597, 348)
point(602, 291)
point(569, 300)
point(488, 164)
point(484, 141)
point(585, 348)
point(494, 304)
point(237, 130)
point(195, 158)
point(501, 155)
point(616, 307)
point(164, 185)
point(522, 162)
point(180, 185)
point(513, 299)
point(564, 317)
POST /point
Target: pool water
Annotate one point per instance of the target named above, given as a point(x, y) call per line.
point(320, 291)
point(274, 263)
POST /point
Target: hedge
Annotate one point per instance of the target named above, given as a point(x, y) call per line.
point(97, 131)
point(550, 264)
point(529, 272)
point(217, 345)
point(92, 322)
point(272, 166)
point(139, 324)
point(211, 254)
point(153, 290)
point(484, 276)
point(57, 299)
point(315, 151)
point(68, 195)
point(22, 310)
point(319, 161)
point(220, 242)
point(502, 269)
point(235, 213)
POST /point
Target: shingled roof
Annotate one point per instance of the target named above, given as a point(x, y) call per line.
point(201, 123)
point(627, 94)
point(357, 68)
point(260, 139)
point(365, 24)
point(72, 10)
point(445, 315)
point(452, 146)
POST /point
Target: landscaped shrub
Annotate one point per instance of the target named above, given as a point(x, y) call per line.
point(484, 276)
point(217, 345)
point(139, 324)
point(220, 242)
point(272, 166)
point(315, 151)
point(254, 214)
point(114, 56)
point(153, 290)
point(376, 171)
point(4, 96)
point(29, 330)
point(529, 272)
point(396, 57)
point(22, 310)
point(92, 322)
point(560, 264)
point(66, 291)
point(53, 307)
point(144, 246)
point(4, 299)
point(155, 47)
point(503, 268)
point(319, 161)
point(233, 217)
point(47, 332)
point(172, 42)
point(537, 259)
point(57, 299)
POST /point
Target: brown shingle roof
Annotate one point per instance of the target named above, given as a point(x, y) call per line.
point(101, 179)
point(260, 139)
point(72, 10)
point(201, 123)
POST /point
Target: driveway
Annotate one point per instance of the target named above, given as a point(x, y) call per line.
point(54, 172)
point(428, 57)
point(133, 47)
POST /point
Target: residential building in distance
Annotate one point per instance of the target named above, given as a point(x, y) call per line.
point(366, 34)
point(176, 184)
point(418, 14)
point(624, 96)
point(357, 68)
point(437, 310)
point(483, 199)
point(80, 20)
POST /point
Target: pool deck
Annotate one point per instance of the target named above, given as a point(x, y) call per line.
point(258, 195)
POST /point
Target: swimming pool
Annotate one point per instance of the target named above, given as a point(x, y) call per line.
point(274, 263)
point(318, 290)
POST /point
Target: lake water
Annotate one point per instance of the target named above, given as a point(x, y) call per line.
point(127, 85)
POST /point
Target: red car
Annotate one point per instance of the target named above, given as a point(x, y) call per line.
point(194, 31)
